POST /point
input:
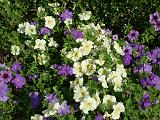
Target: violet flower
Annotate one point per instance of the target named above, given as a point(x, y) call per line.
point(132, 35)
point(127, 59)
point(16, 66)
point(64, 109)
point(3, 92)
point(145, 102)
point(5, 76)
point(127, 50)
point(154, 18)
point(76, 34)
point(51, 98)
point(18, 81)
point(34, 99)
point(115, 37)
point(44, 31)
point(98, 117)
point(66, 14)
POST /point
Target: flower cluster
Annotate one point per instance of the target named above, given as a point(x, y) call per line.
point(10, 75)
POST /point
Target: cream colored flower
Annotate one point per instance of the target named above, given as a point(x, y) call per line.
point(85, 15)
point(42, 59)
point(37, 117)
point(106, 115)
point(86, 47)
point(120, 70)
point(50, 22)
point(68, 21)
point(77, 69)
point(75, 54)
point(40, 44)
point(118, 48)
point(109, 99)
point(52, 109)
point(103, 71)
point(41, 9)
point(80, 93)
point(21, 28)
point(78, 82)
point(102, 79)
point(117, 84)
point(100, 62)
point(15, 50)
point(88, 104)
point(97, 98)
point(52, 43)
point(117, 110)
point(30, 29)
point(88, 67)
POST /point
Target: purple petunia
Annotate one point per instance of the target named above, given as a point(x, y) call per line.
point(127, 59)
point(44, 31)
point(115, 37)
point(127, 50)
point(98, 117)
point(108, 31)
point(16, 66)
point(66, 14)
point(51, 98)
point(154, 18)
point(151, 80)
point(34, 23)
point(3, 91)
point(147, 68)
point(34, 99)
point(18, 81)
point(76, 34)
point(132, 35)
point(64, 109)
point(64, 70)
point(5, 76)
point(145, 101)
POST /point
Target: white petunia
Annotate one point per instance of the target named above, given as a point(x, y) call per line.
point(106, 114)
point(109, 99)
point(102, 79)
point(118, 48)
point(21, 28)
point(42, 59)
point(117, 110)
point(103, 71)
point(41, 9)
point(117, 84)
point(37, 117)
point(15, 50)
point(30, 29)
point(68, 21)
point(80, 93)
point(120, 70)
point(52, 109)
point(40, 44)
point(86, 47)
point(78, 82)
point(52, 43)
point(88, 67)
point(75, 54)
point(50, 22)
point(100, 62)
point(77, 69)
point(88, 104)
point(85, 15)
point(97, 98)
